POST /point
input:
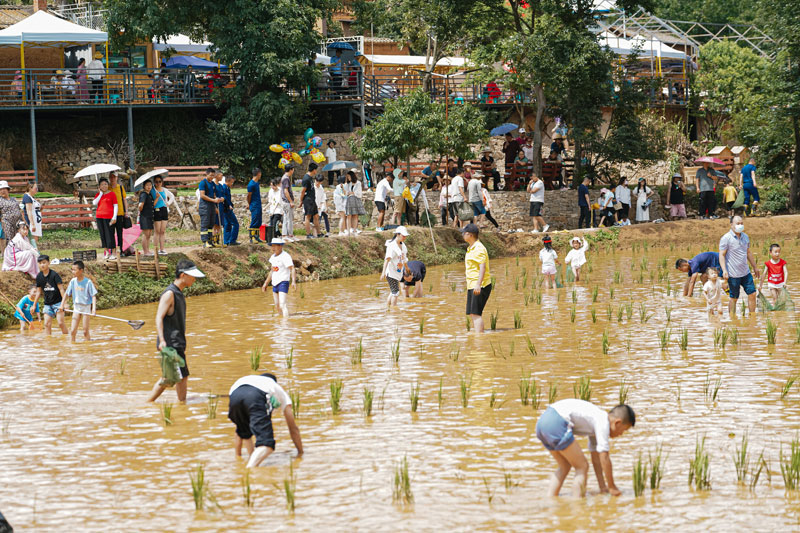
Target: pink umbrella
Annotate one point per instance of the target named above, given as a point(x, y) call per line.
point(130, 235)
point(709, 159)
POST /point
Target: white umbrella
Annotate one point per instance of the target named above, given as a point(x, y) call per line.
point(339, 165)
point(148, 175)
point(320, 59)
point(100, 168)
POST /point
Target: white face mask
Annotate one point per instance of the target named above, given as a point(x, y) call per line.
point(738, 228)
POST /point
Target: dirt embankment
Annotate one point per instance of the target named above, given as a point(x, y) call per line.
point(245, 267)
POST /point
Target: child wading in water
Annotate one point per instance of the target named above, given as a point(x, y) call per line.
point(549, 259)
point(576, 257)
point(281, 274)
point(775, 272)
point(84, 300)
point(25, 309)
point(556, 429)
point(712, 290)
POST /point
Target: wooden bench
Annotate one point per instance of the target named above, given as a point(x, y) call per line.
point(68, 214)
point(551, 171)
point(185, 177)
point(17, 179)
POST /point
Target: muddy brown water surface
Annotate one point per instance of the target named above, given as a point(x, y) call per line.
point(82, 450)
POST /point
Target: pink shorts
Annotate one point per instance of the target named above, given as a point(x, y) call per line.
point(548, 269)
point(677, 210)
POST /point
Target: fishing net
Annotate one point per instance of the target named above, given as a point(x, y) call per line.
point(570, 274)
point(559, 278)
point(783, 303)
point(739, 200)
point(171, 364)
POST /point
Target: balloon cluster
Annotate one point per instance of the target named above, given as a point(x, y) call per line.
point(287, 156)
point(313, 144)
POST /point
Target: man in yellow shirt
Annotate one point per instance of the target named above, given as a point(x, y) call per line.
point(479, 278)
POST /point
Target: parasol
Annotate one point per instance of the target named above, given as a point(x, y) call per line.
point(148, 175)
point(709, 159)
point(99, 168)
point(339, 165)
point(503, 129)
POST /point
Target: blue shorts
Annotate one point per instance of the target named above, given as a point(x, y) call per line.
point(745, 282)
point(283, 286)
point(554, 431)
point(478, 208)
point(51, 310)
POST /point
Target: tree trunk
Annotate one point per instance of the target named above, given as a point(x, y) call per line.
point(795, 184)
point(537, 129)
point(576, 176)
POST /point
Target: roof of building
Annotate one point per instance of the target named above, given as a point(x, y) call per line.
point(10, 15)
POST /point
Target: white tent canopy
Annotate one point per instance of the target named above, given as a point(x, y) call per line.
point(379, 60)
point(182, 43)
point(646, 47)
point(43, 29)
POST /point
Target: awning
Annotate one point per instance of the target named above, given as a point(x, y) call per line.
point(382, 60)
point(183, 43)
point(647, 47)
point(192, 61)
point(43, 29)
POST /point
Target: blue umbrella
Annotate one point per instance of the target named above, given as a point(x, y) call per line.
point(503, 129)
point(341, 44)
point(339, 165)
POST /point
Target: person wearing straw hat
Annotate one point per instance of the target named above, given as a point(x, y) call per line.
point(97, 72)
point(394, 263)
point(280, 275)
point(171, 324)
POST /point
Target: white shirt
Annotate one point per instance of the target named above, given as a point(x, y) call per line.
point(355, 188)
point(528, 151)
point(548, 257)
point(276, 396)
point(320, 197)
point(577, 257)
point(713, 292)
point(281, 267)
point(455, 189)
point(339, 198)
point(382, 190)
point(274, 201)
point(537, 191)
point(623, 194)
point(396, 253)
point(330, 155)
point(586, 419)
point(487, 199)
point(96, 70)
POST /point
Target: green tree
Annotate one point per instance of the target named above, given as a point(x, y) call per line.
point(268, 42)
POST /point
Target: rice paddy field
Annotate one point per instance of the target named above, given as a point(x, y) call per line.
point(410, 421)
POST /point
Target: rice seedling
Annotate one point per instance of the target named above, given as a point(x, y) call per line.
point(609, 312)
point(517, 320)
point(754, 476)
point(422, 326)
point(302, 292)
point(401, 483)
point(511, 348)
point(430, 287)
point(611, 293)
point(531, 347)
point(678, 390)
point(790, 465)
point(699, 467)
point(594, 294)
point(643, 316)
point(741, 459)
point(656, 463)
point(294, 396)
point(452, 286)
point(668, 313)
point(663, 338)
point(629, 309)
point(539, 298)
point(211, 407)
point(552, 394)
point(593, 313)
point(247, 490)
point(711, 390)
point(574, 296)
point(508, 480)
point(534, 394)
point(166, 413)
point(517, 260)
point(617, 276)
point(668, 289)
point(413, 396)
point(572, 313)
point(623, 392)
point(366, 406)
point(645, 245)
point(395, 348)
point(639, 476)
point(743, 307)
point(516, 284)
point(772, 331)
point(255, 358)
point(582, 388)
point(525, 388)
point(526, 299)
point(336, 395)
point(493, 319)
point(733, 335)
point(797, 332)
point(469, 325)
point(289, 359)
point(5, 422)
point(620, 311)
point(663, 263)
point(787, 387)
point(455, 351)
point(489, 491)
point(199, 486)
point(506, 270)
point(605, 342)
point(558, 296)
point(717, 336)
point(683, 341)
point(122, 364)
point(641, 278)
point(439, 394)
point(357, 352)
point(465, 383)
point(376, 292)
point(290, 489)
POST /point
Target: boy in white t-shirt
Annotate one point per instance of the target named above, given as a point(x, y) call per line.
point(253, 400)
point(280, 275)
point(556, 429)
point(712, 290)
point(84, 300)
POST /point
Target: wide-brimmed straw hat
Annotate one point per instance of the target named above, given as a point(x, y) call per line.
point(98, 55)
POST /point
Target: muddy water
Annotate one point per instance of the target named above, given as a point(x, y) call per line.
point(82, 450)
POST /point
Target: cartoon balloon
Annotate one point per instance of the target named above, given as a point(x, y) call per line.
point(286, 154)
point(308, 134)
point(297, 158)
point(317, 141)
point(276, 148)
point(282, 163)
point(286, 145)
point(318, 157)
point(303, 152)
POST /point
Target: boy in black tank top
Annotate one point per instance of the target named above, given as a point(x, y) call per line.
point(171, 323)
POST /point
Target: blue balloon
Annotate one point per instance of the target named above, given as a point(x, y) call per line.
point(287, 145)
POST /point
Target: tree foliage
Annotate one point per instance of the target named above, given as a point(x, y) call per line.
point(268, 41)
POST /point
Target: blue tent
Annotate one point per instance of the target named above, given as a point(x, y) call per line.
point(192, 61)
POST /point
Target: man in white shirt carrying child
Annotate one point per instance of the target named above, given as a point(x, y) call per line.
point(280, 275)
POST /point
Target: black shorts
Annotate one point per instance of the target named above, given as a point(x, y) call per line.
point(729, 205)
point(161, 214)
point(475, 304)
point(248, 409)
point(145, 222)
point(310, 208)
point(381, 206)
point(536, 209)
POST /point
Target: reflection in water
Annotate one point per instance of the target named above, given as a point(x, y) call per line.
point(83, 450)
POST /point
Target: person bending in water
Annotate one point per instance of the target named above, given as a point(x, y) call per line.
point(253, 399)
point(280, 275)
point(557, 428)
point(171, 323)
point(696, 267)
point(413, 276)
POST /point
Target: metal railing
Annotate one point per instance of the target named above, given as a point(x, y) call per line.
point(85, 14)
point(43, 87)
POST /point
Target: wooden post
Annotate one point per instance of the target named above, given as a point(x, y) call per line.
point(158, 268)
point(138, 266)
